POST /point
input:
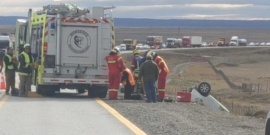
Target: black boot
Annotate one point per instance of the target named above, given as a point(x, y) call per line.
point(7, 92)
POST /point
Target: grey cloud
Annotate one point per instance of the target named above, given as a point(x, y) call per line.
point(170, 9)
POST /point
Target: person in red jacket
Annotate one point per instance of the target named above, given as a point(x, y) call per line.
point(163, 72)
point(116, 66)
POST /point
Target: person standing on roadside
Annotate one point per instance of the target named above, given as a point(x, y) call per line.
point(26, 64)
point(149, 75)
point(163, 72)
point(10, 63)
point(115, 66)
point(135, 67)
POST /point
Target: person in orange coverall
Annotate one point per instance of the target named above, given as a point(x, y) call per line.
point(163, 72)
point(116, 66)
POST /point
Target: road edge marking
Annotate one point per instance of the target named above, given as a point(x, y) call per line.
point(121, 118)
point(3, 100)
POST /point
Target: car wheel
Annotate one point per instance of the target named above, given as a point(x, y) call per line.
point(204, 89)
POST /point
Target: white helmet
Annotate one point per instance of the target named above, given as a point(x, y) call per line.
point(116, 50)
point(26, 45)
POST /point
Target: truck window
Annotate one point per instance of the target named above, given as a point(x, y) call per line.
point(4, 44)
point(150, 39)
point(22, 33)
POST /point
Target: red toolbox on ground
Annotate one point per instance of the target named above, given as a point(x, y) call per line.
point(183, 96)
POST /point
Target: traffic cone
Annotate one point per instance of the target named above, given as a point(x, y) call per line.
point(2, 81)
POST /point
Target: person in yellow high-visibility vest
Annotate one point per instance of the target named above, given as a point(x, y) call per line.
point(26, 64)
point(9, 64)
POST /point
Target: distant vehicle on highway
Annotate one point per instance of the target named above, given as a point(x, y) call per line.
point(242, 42)
point(139, 46)
point(123, 47)
point(211, 44)
point(171, 42)
point(146, 47)
point(192, 41)
point(268, 44)
point(257, 44)
point(204, 44)
point(251, 44)
point(154, 42)
point(262, 44)
point(234, 41)
point(5, 42)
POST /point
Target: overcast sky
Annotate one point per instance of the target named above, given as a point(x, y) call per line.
point(157, 9)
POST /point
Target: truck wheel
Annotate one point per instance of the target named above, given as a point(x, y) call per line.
point(81, 90)
point(46, 90)
point(204, 89)
point(40, 89)
point(97, 91)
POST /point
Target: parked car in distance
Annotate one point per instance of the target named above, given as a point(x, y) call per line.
point(262, 44)
point(257, 44)
point(251, 44)
point(123, 47)
point(204, 44)
point(146, 47)
point(139, 46)
point(268, 44)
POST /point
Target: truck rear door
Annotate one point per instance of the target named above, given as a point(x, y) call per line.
point(79, 46)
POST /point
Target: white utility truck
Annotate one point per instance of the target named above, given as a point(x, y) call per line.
point(70, 45)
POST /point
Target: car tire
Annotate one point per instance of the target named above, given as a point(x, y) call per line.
point(204, 89)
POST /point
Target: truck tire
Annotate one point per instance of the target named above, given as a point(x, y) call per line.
point(204, 89)
point(40, 89)
point(97, 91)
point(47, 90)
point(81, 90)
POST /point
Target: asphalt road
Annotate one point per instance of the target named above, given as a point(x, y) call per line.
point(66, 114)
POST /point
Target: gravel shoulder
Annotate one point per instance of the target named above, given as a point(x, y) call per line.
point(185, 119)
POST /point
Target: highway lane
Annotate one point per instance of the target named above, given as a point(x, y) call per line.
point(196, 48)
point(66, 114)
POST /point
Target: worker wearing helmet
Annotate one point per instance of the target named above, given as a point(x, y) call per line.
point(116, 66)
point(136, 62)
point(163, 72)
point(135, 67)
point(147, 53)
point(26, 64)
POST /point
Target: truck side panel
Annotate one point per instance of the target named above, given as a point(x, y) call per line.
point(79, 46)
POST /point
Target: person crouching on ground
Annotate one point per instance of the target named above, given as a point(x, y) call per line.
point(149, 75)
point(128, 82)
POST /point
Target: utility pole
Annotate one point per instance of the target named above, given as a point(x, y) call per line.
point(178, 32)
